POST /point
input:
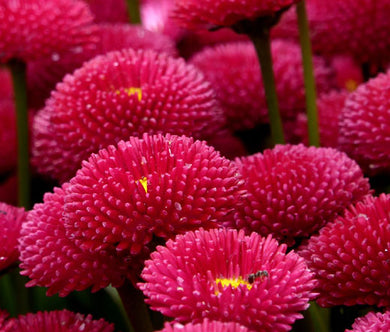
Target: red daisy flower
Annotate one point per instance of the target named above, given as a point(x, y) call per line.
point(375, 322)
point(11, 219)
point(154, 186)
point(224, 275)
point(351, 256)
point(118, 95)
point(192, 13)
point(329, 108)
point(58, 321)
point(360, 28)
point(234, 71)
point(52, 259)
point(294, 190)
point(205, 326)
point(32, 29)
point(364, 127)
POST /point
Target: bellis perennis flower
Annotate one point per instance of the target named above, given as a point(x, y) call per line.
point(224, 275)
point(205, 326)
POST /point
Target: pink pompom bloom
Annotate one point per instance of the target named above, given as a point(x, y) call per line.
point(192, 13)
point(294, 190)
point(52, 259)
point(32, 29)
point(118, 95)
point(154, 186)
point(351, 256)
point(329, 107)
point(359, 28)
point(11, 219)
point(56, 321)
point(224, 275)
point(205, 326)
point(372, 322)
point(234, 71)
point(364, 127)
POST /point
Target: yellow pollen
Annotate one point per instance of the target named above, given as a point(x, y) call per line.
point(132, 91)
point(144, 182)
point(351, 85)
point(224, 282)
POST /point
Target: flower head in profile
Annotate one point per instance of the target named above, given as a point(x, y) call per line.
point(192, 13)
point(58, 321)
point(32, 29)
point(234, 71)
point(364, 125)
point(372, 322)
point(294, 190)
point(351, 255)
point(205, 326)
point(118, 95)
point(11, 219)
point(224, 275)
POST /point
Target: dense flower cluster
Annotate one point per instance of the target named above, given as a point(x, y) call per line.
point(224, 275)
point(118, 95)
point(376, 322)
point(294, 190)
point(351, 256)
point(205, 326)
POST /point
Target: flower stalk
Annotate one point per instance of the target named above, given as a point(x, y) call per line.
point(133, 10)
point(310, 88)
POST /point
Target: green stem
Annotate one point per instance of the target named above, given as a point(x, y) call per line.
point(134, 304)
point(133, 10)
point(18, 72)
point(310, 87)
point(261, 41)
point(117, 299)
point(319, 317)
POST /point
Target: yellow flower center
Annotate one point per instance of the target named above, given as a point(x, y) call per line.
point(144, 183)
point(233, 282)
point(132, 91)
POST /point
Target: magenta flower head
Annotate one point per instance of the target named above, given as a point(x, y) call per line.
point(294, 190)
point(11, 219)
point(191, 13)
point(205, 326)
point(154, 186)
point(58, 321)
point(53, 260)
point(364, 125)
point(375, 322)
point(351, 256)
point(224, 275)
point(329, 107)
point(358, 28)
point(118, 95)
point(26, 32)
point(234, 71)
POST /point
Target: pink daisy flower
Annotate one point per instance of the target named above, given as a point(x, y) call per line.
point(294, 190)
point(192, 13)
point(52, 259)
point(351, 256)
point(205, 326)
point(11, 219)
point(154, 186)
point(32, 29)
point(234, 71)
point(364, 125)
point(118, 95)
point(224, 275)
point(58, 321)
point(373, 322)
